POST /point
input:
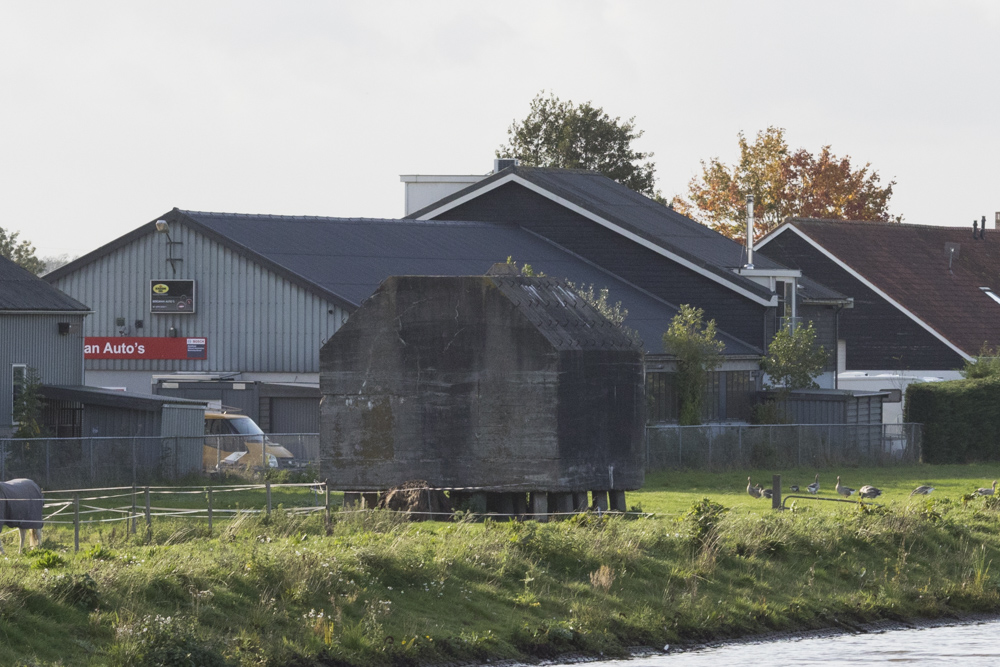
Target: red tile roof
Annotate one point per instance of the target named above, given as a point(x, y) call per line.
point(910, 264)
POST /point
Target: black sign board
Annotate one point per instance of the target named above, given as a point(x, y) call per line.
point(171, 296)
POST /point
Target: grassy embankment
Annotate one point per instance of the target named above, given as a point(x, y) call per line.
point(374, 588)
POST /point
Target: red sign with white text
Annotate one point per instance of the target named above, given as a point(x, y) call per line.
point(122, 347)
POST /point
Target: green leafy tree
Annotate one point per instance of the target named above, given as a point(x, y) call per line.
point(569, 136)
point(793, 360)
point(784, 183)
point(22, 253)
point(985, 364)
point(27, 411)
point(698, 354)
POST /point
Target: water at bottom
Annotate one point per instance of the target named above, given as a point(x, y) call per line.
point(970, 644)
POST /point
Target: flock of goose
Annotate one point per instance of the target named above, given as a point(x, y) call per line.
point(866, 491)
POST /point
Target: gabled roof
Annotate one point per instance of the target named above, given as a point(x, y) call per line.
point(912, 267)
point(635, 216)
point(23, 291)
point(345, 259)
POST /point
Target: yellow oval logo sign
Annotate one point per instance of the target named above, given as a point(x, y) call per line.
point(160, 288)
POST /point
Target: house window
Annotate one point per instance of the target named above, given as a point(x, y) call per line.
point(18, 378)
point(785, 311)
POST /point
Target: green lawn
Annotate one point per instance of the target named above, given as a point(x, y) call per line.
point(673, 492)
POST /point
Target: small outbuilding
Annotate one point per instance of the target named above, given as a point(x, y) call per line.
point(501, 385)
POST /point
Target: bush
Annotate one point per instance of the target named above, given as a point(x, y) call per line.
point(164, 641)
point(961, 419)
point(79, 590)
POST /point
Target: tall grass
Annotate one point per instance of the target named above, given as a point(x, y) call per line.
point(371, 588)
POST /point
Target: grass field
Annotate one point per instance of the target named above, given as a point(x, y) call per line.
point(671, 493)
point(372, 588)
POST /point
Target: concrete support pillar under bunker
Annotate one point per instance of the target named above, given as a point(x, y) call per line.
point(600, 500)
point(561, 504)
point(618, 501)
point(539, 505)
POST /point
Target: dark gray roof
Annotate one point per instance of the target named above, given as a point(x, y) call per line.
point(811, 291)
point(638, 214)
point(113, 399)
point(22, 290)
point(566, 320)
point(345, 259)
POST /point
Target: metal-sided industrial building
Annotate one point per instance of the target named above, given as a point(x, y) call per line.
point(40, 328)
point(267, 291)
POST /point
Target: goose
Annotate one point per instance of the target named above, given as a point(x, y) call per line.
point(754, 491)
point(766, 493)
point(923, 490)
point(794, 488)
point(845, 491)
point(987, 492)
point(868, 491)
point(814, 487)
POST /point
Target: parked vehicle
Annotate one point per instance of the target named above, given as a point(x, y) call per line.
point(235, 441)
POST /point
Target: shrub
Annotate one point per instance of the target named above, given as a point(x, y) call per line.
point(703, 517)
point(46, 560)
point(163, 641)
point(961, 419)
point(79, 590)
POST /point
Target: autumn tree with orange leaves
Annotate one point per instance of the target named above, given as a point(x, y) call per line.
point(784, 183)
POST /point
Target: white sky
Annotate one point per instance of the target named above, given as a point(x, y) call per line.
point(112, 113)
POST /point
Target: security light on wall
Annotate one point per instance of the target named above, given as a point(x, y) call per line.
point(164, 228)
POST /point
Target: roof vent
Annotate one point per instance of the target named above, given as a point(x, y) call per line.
point(501, 163)
point(976, 232)
point(952, 251)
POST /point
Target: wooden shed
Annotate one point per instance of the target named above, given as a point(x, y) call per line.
point(500, 383)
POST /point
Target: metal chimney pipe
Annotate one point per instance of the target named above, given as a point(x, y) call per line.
point(749, 264)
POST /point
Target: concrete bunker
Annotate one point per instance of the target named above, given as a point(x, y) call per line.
point(511, 392)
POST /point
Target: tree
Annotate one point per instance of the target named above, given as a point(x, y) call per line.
point(793, 361)
point(985, 364)
point(698, 354)
point(27, 411)
point(783, 183)
point(53, 262)
point(22, 253)
point(568, 136)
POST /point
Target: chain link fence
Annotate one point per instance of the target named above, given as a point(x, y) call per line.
point(732, 447)
point(60, 463)
point(81, 462)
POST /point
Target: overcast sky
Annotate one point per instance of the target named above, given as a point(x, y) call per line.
point(111, 114)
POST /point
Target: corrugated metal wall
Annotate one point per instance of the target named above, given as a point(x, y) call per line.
point(105, 422)
point(186, 424)
point(34, 340)
point(255, 320)
point(294, 415)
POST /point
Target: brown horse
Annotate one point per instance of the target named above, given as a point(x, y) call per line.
point(21, 508)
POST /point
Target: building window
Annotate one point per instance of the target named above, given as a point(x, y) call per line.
point(18, 378)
